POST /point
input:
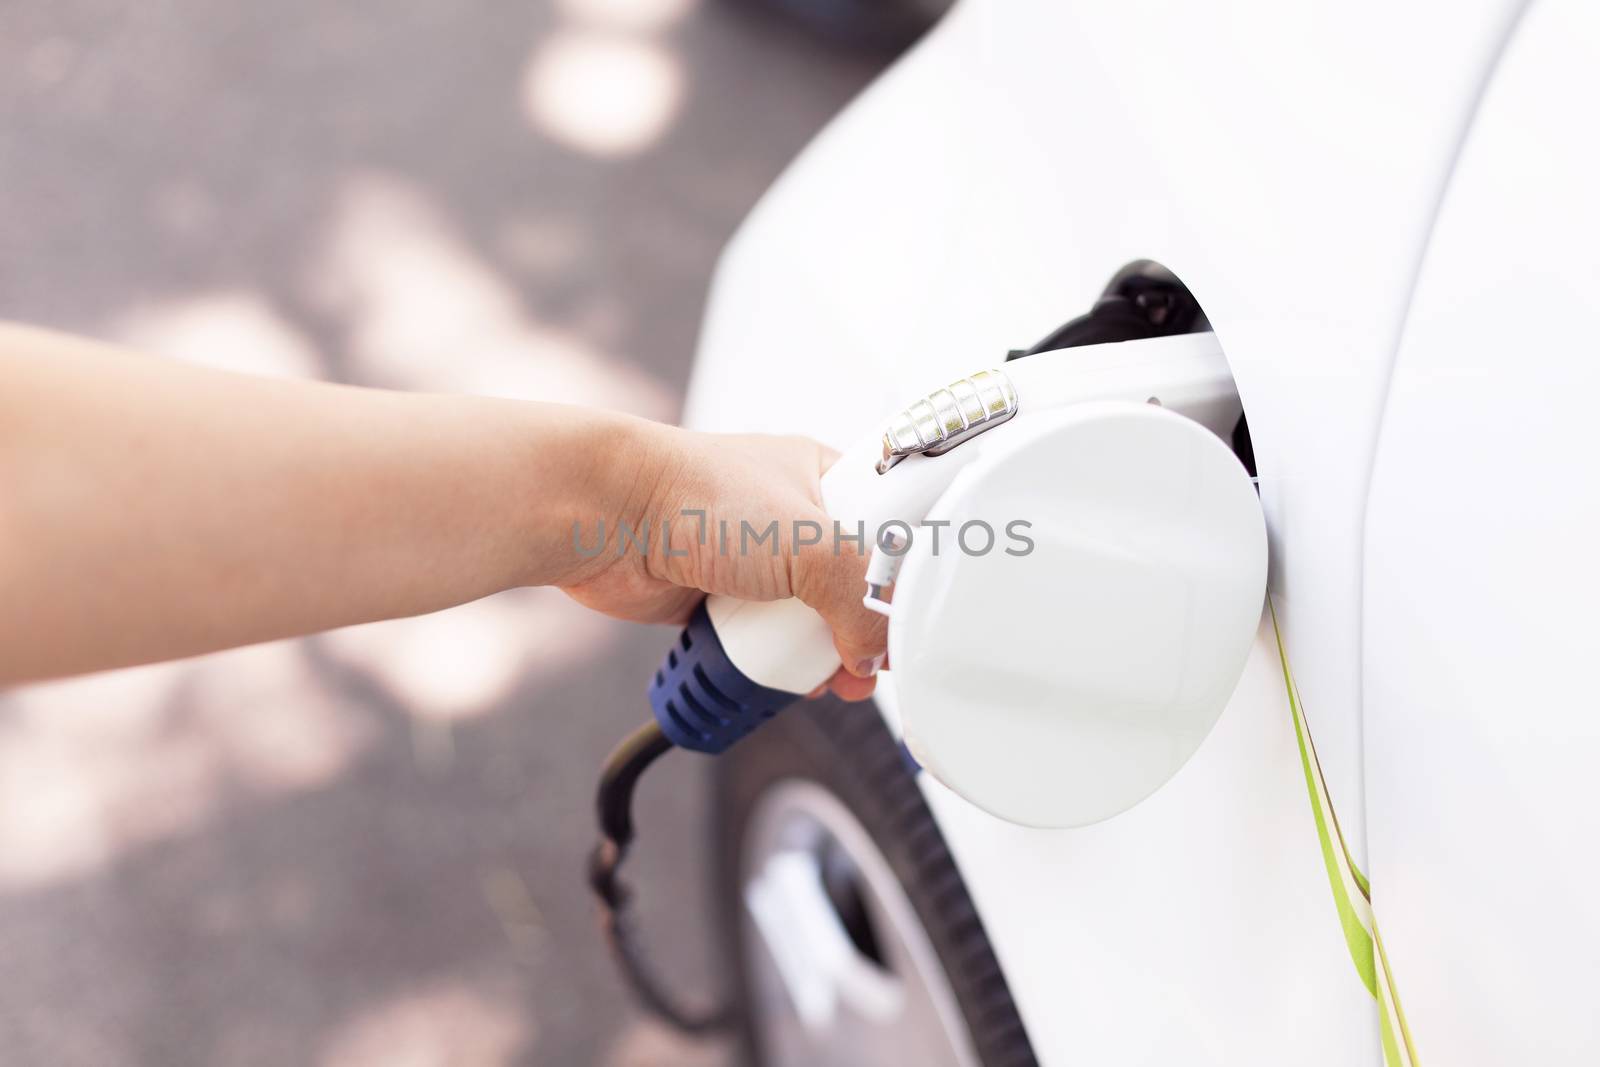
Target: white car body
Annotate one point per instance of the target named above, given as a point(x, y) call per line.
point(1389, 214)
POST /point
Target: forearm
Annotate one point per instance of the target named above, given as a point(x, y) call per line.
point(151, 509)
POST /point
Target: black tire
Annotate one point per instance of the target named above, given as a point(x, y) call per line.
point(847, 750)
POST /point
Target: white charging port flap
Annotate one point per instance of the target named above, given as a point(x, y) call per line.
point(1085, 615)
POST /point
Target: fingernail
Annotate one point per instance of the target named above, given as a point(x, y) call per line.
point(868, 667)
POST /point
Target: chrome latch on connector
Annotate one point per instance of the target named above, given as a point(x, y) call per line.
point(945, 418)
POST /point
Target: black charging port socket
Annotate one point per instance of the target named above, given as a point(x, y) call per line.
point(1142, 300)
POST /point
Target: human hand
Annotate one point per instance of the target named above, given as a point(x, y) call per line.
point(736, 481)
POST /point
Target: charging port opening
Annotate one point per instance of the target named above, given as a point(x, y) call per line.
point(1144, 299)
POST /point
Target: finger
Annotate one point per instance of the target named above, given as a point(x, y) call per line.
point(832, 584)
point(859, 664)
point(848, 687)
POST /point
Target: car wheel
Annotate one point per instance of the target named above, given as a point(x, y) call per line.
point(851, 931)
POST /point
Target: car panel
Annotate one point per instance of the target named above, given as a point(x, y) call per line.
point(981, 193)
point(1482, 578)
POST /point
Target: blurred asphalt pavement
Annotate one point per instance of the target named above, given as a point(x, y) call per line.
point(367, 847)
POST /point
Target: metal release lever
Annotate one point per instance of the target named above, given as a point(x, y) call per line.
point(934, 424)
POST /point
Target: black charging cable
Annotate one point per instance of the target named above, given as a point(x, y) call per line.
point(619, 777)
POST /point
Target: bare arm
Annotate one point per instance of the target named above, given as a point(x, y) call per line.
point(150, 509)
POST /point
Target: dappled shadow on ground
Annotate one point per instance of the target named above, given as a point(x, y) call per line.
point(366, 847)
point(418, 876)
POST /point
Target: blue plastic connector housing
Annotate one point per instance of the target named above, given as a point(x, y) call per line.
point(701, 700)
